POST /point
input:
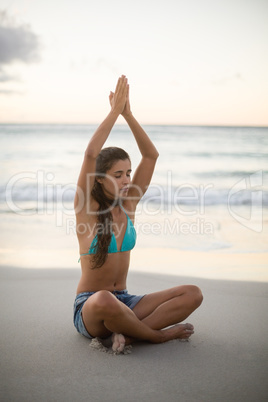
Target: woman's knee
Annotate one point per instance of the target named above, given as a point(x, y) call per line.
point(103, 302)
point(195, 295)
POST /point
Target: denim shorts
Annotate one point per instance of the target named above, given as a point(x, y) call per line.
point(122, 295)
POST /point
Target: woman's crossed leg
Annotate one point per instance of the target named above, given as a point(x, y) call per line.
point(104, 315)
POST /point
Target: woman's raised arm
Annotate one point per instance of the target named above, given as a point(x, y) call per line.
point(87, 173)
point(143, 174)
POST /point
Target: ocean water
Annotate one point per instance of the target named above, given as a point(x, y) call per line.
point(209, 190)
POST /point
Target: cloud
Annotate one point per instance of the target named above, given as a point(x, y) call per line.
point(6, 77)
point(230, 78)
point(18, 43)
point(10, 92)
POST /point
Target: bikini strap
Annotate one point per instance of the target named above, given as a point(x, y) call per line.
point(125, 212)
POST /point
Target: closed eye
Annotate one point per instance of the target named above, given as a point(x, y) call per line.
point(118, 176)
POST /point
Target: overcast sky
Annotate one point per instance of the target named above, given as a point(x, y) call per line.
point(188, 62)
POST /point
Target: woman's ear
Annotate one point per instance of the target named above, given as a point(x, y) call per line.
point(99, 180)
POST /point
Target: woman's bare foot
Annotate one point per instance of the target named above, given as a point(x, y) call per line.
point(119, 343)
point(178, 331)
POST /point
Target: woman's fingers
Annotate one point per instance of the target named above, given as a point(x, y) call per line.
point(119, 97)
point(127, 93)
point(121, 83)
point(118, 84)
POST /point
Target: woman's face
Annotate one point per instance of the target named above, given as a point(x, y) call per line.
point(116, 182)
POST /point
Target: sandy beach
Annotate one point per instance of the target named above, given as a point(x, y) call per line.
point(43, 358)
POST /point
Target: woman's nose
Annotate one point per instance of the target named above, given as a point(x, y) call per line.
point(126, 179)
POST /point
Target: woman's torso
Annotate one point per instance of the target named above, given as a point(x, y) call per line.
point(113, 273)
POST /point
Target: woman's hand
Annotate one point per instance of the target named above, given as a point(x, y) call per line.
point(126, 112)
point(118, 98)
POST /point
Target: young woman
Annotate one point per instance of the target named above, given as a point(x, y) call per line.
point(105, 204)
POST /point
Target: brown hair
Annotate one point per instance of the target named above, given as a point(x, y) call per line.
point(105, 160)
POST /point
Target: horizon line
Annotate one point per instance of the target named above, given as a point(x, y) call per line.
point(144, 124)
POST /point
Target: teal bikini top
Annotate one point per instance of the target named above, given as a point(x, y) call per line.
point(128, 243)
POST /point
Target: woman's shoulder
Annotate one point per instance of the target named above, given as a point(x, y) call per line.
point(86, 208)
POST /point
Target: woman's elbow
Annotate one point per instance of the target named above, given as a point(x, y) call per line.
point(90, 153)
point(155, 155)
